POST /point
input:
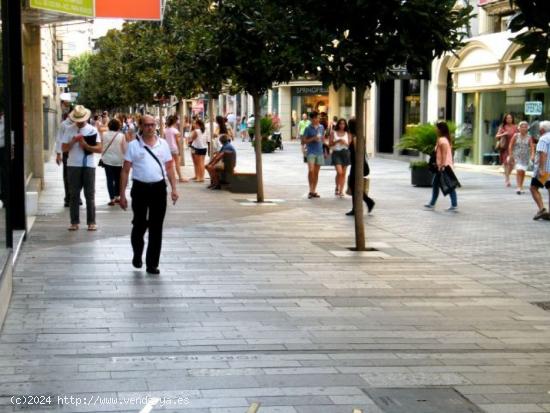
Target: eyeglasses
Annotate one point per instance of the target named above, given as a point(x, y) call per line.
point(149, 125)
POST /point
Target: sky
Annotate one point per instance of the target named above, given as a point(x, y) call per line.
point(101, 26)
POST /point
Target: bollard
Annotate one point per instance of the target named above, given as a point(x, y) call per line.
point(253, 408)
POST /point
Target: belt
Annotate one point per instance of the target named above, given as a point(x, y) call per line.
point(141, 183)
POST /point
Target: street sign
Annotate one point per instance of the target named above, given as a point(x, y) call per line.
point(76, 7)
point(533, 108)
point(62, 80)
point(129, 9)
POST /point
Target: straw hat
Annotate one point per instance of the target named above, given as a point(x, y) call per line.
point(80, 114)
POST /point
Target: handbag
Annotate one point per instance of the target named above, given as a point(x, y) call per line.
point(448, 181)
point(101, 163)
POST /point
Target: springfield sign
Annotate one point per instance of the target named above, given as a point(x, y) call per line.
point(76, 7)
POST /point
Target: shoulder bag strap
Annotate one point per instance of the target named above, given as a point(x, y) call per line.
point(155, 158)
point(110, 143)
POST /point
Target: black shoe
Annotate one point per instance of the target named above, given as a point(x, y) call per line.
point(66, 205)
point(350, 213)
point(154, 271)
point(371, 206)
point(81, 202)
point(137, 263)
point(216, 187)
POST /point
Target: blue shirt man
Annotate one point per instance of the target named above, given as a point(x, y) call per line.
point(313, 138)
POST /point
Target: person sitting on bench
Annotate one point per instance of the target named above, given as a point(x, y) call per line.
point(217, 164)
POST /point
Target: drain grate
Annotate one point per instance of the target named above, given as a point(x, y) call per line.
point(545, 305)
point(421, 400)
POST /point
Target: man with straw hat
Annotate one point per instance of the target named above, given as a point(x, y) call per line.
point(81, 141)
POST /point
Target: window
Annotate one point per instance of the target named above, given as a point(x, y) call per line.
point(59, 50)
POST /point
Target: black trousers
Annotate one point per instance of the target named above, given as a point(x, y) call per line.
point(149, 206)
point(65, 179)
point(366, 198)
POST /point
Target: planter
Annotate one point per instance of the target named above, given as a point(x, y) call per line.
point(421, 177)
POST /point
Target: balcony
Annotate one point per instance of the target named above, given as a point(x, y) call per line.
point(496, 7)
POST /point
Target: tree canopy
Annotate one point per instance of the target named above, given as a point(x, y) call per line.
point(532, 22)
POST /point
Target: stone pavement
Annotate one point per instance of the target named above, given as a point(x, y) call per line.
point(265, 303)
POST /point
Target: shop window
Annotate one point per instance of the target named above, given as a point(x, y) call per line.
point(275, 101)
point(411, 103)
point(3, 164)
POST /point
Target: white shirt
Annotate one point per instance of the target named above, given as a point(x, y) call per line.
point(340, 141)
point(200, 140)
point(112, 152)
point(77, 157)
point(144, 166)
point(61, 133)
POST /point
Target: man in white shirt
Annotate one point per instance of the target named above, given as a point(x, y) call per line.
point(81, 140)
point(151, 161)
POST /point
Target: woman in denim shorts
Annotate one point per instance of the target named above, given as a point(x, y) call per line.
point(340, 140)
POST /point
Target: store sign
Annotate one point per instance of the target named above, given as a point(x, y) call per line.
point(76, 7)
point(129, 9)
point(198, 106)
point(533, 108)
point(309, 90)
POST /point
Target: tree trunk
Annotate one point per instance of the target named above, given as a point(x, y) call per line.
point(161, 120)
point(182, 145)
point(211, 121)
point(258, 146)
point(360, 146)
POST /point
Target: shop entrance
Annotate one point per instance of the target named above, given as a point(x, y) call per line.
point(384, 138)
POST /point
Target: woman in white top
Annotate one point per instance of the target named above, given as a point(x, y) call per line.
point(519, 150)
point(112, 158)
point(172, 136)
point(199, 145)
point(339, 142)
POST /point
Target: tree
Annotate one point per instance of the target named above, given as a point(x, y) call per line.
point(361, 41)
point(533, 23)
point(78, 68)
point(262, 42)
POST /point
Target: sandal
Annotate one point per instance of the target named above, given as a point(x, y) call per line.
point(73, 227)
point(92, 227)
point(112, 203)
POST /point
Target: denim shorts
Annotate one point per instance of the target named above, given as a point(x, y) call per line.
point(316, 159)
point(341, 157)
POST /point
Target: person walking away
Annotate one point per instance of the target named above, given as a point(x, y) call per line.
point(339, 141)
point(352, 126)
point(314, 136)
point(112, 158)
point(444, 158)
point(199, 147)
point(505, 133)
point(541, 173)
point(243, 129)
point(150, 160)
point(61, 156)
point(250, 125)
point(173, 136)
point(521, 147)
point(81, 141)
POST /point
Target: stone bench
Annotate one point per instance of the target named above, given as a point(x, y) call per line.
point(243, 182)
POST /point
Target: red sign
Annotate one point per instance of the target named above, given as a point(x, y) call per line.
point(129, 9)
